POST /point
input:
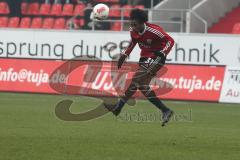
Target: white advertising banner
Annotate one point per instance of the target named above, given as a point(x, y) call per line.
point(231, 86)
point(201, 49)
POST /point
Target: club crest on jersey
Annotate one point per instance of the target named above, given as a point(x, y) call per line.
point(149, 41)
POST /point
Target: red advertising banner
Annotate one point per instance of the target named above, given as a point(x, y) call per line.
point(180, 82)
point(26, 75)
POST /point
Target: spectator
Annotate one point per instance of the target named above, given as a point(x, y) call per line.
point(74, 22)
point(87, 16)
point(14, 7)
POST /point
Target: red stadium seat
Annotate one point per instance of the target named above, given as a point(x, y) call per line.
point(25, 22)
point(139, 6)
point(67, 10)
point(236, 28)
point(116, 26)
point(115, 11)
point(24, 8)
point(48, 23)
point(81, 22)
point(45, 9)
point(13, 22)
point(36, 22)
point(33, 8)
point(56, 10)
point(3, 21)
point(4, 8)
point(127, 10)
point(78, 10)
point(59, 23)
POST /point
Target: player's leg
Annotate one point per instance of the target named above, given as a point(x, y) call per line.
point(152, 97)
point(144, 87)
point(146, 90)
point(131, 90)
point(123, 100)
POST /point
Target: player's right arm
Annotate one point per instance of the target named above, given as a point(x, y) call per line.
point(126, 53)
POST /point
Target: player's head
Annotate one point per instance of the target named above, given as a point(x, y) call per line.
point(137, 19)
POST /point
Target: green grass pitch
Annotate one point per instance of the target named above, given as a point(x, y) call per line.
point(30, 130)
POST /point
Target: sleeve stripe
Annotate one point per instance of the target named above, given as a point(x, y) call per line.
point(155, 32)
point(124, 54)
point(167, 46)
point(158, 32)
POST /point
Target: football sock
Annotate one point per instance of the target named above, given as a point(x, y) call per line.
point(158, 103)
point(120, 104)
point(151, 96)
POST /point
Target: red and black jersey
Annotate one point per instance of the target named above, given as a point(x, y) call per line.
point(152, 39)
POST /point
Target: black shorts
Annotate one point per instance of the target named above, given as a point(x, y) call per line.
point(148, 63)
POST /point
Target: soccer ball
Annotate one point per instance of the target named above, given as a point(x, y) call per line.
point(100, 11)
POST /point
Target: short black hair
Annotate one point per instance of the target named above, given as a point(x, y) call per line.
point(139, 15)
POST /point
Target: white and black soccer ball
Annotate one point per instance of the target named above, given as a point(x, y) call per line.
point(100, 11)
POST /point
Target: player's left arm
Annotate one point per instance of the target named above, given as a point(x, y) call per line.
point(167, 42)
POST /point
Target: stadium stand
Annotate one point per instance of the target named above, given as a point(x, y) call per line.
point(127, 10)
point(13, 22)
point(24, 8)
point(227, 23)
point(115, 11)
point(33, 8)
point(45, 9)
point(4, 9)
point(67, 10)
point(208, 12)
point(236, 28)
point(59, 23)
point(79, 9)
point(48, 23)
point(25, 22)
point(36, 22)
point(56, 10)
point(193, 16)
point(172, 15)
point(50, 14)
point(3, 21)
point(116, 26)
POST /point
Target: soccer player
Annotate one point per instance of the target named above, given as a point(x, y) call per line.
point(155, 44)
